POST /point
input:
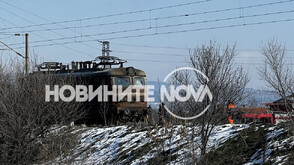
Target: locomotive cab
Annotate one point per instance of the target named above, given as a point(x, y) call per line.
point(134, 109)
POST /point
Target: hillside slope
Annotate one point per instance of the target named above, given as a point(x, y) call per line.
point(257, 145)
point(228, 144)
point(130, 145)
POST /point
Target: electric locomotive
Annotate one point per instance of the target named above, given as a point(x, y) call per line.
point(105, 70)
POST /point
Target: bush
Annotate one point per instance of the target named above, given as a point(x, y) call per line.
point(25, 117)
point(238, 150)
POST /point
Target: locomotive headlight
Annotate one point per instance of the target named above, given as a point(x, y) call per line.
point(131, 71)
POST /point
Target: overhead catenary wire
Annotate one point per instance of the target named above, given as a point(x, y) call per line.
point(12, 49)
point(164, 26)
point(178, 55)
point(87, 36)
point(168, 17)
point(169, 32)
point(201, 29)
point(180, 48)
point(172, 32)
point(183, 62)
point(55, 43)
point(112, 15)
point(160, 61)
point(148, 53)
point(148, 46)
point(46, 29)
point(39, 26)
point(274, 21)
point(138, 20)
point(10, 36)
point(157, 27)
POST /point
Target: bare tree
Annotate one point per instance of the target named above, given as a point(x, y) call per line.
point(103, 111)
point(25, 116)
point(226, 82)
point(276, 70)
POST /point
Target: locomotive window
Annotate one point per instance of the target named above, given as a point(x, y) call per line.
point(139, 81)
point(124, 81)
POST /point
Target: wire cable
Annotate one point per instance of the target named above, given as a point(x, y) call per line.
point(164, 33)
point(44, 29)
point(177, 31)
point(45, 38)
point(112, 15)
point(164, 26)
point(158, 18)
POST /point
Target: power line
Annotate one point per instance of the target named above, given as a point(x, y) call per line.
point(44, 37)
point(12, 49)
point(164, 26)
point(148, 46)
point(87, 36)
point(156, 54)
point(40, 26)
point(171, 32)
point(45, 20)
point(170, 54)
point(199, 29)
point(181, 48)
point(181, 62)
point(160, 61)
point(179, 55)
point(8, 22)
point(90, 35)
point(10, 36)
point(139, 20)
point(117, 14)
point(226, 19)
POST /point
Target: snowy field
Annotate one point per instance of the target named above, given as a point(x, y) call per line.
point(275, 145)
point(129, 145)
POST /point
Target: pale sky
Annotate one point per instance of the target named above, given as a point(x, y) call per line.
point(154, 36)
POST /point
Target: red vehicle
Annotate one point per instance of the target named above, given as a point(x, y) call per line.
point(259, 114)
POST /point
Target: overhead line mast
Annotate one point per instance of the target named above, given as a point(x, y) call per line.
point(26, 57)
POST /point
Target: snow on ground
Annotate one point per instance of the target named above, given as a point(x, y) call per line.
point(274, 143)
point(129, 145)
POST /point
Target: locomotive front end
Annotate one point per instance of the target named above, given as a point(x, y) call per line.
point(133, 106)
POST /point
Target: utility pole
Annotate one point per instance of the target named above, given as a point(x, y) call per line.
point(27, 63)
point(26, 57)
